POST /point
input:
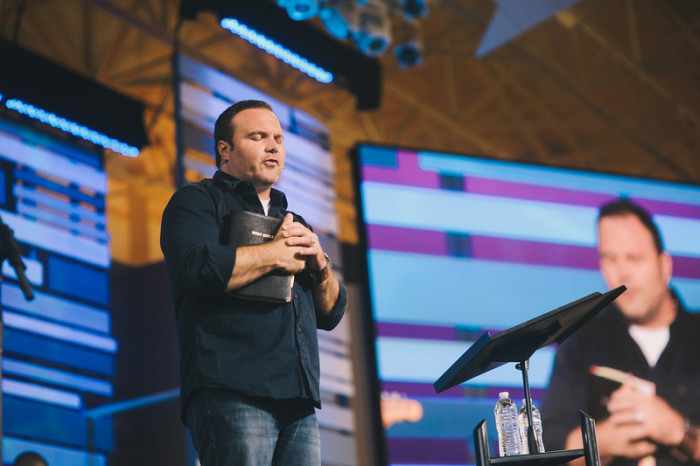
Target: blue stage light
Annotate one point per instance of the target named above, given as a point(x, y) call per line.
point(414, 8)
point(374, 28)
point(334, 23)
point(276, 50)
point(300, 10)
point(408, 54)
point(340, 17)
point(71, 127)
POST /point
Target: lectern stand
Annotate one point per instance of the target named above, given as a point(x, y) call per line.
point(517, 345)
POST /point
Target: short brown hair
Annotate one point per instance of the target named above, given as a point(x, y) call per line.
point(627, 207)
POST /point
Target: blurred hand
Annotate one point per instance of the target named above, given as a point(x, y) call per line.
point(653, 419)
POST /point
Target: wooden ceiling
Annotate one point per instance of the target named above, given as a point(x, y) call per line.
point(606, 85)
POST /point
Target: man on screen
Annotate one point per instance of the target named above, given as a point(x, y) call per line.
point(636, 366)
point(249, 368)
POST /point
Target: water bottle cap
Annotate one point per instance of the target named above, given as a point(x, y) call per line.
point(503, 395)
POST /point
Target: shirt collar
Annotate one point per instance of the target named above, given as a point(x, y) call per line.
point(277, 197)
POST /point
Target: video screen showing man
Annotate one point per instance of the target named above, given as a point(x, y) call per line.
point(249, 368)
point(636, 366)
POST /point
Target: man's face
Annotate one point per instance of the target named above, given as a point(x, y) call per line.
point(628, 257)
point(258, 154)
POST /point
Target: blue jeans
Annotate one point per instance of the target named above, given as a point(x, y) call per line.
point(229, 429)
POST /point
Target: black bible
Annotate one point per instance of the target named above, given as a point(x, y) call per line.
point(248, 229)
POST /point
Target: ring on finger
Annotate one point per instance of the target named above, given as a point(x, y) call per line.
point(313, 240)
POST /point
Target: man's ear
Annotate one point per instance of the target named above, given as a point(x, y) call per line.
point(224, 149)
point(666, 266)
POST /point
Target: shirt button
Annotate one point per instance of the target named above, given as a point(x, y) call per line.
point(302, 359)
point(296, 296)
point(299, 328)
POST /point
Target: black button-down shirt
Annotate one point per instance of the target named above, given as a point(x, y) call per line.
point(252, 347)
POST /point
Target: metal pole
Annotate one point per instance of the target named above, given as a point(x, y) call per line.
point(531, 437)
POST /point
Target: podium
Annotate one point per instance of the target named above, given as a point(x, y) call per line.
point(517, 345)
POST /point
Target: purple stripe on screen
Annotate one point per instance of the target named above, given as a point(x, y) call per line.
point(686, 267)
point(533, 252)
point(406, 239)
point(570, 196)
point(516, 394)
point(432, 451)
point(505, 250)
point(669, 208)
point(423, 332)
point(415, 389)
point(407, 173)
point(419, 389)
point(535, 192)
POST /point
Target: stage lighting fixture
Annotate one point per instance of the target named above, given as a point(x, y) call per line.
point(71, 127)
point(300, 10)
point(70, 101)
point(339, 17)
point(408, 54)
point(277, 50)
point(413, 9)
point(338, 62)
point(374, 34)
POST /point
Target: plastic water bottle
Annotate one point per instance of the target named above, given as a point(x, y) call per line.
point(536, 423)
point(507, 425)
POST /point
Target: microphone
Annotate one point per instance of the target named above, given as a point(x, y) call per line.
point(10, 250)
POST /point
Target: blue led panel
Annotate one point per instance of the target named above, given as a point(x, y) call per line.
point(34, 392)
point(56, 377)
point(57, 352)
point(3, 181)
point(56, 309)
point(13, 447)
point(29, 419)
point(77, 280)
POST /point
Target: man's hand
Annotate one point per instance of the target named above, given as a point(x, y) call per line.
point(626, 439)
point(252, 262)
point(652, 417)
point(304, 241)
point(289, 257)
point(639, 421)
point(305, 244)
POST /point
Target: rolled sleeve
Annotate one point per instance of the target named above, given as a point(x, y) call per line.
point(190, 243)
point(331, 319)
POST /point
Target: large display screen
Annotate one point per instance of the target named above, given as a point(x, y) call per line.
point(457, 246)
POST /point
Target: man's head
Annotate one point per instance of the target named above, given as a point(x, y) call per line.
point(631, 254)
point(249, 143)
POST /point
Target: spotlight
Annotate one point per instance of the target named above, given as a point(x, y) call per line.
point(408, 54)
point(300, 10)
point(374, 33)
point(339, 17)
point(414, 8)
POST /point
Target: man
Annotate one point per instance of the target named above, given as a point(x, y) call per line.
point(647, 335)
point(249, 369)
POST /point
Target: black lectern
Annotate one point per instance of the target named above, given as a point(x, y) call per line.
point(517, 344)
